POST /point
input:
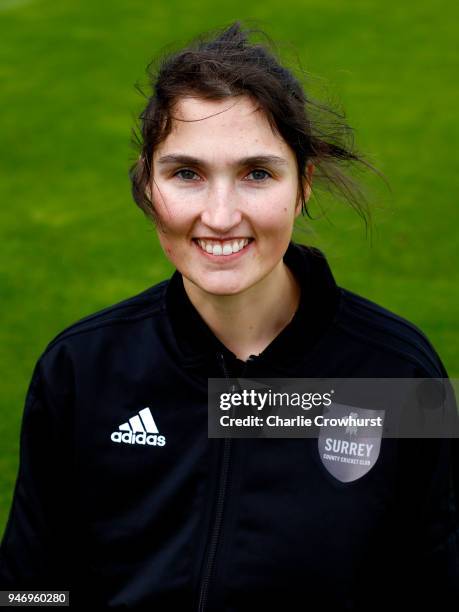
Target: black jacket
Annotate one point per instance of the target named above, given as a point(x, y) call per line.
point(178, 520)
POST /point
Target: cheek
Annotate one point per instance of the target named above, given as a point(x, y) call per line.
point(275, 206)
point(273, 216)
point(173, 209)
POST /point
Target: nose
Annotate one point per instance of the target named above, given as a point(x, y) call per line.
point(221, 211)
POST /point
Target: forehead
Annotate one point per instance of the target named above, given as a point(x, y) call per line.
point(222, 127)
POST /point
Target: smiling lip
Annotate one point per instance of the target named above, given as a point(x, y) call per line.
point(223, 258)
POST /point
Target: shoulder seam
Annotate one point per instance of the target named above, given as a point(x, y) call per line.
point(68, 334)
point(383, 346)
point(397, 319)
point(155, 305)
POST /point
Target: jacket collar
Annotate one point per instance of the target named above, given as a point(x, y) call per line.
point(317, 309)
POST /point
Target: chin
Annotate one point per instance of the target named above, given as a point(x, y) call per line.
point(222, 288)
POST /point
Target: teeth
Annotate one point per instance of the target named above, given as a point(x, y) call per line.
point(216, 248)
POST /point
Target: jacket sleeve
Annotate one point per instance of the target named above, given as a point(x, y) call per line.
point(429, 534)
point(438, 544)
point(36, 537)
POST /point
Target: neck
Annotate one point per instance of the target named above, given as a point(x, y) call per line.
point(248, 322)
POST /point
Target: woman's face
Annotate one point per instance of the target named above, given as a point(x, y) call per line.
point(205, 189)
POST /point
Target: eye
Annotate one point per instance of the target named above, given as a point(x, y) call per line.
point(184, 170)
point(255, 171)
point(258, 170)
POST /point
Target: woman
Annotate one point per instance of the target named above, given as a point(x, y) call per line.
point(122, 498)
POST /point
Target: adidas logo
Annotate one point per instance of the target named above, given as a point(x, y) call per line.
point(140, 429)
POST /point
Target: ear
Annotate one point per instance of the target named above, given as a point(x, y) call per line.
point(148, 191)
point(140, 168)
point(306, 186)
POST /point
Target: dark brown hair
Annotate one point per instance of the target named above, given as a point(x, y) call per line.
point(226, 64)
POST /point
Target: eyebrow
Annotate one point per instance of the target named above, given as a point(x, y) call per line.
point(262, 159)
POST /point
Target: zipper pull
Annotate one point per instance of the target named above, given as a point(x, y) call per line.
point(221, 359)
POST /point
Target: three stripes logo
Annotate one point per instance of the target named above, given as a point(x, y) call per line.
point(140, 429)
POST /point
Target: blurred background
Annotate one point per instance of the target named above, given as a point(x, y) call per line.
point(72, 239)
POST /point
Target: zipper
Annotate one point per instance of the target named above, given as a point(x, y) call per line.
point(224, 478)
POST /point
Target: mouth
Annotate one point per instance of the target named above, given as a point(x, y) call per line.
point(223, 249)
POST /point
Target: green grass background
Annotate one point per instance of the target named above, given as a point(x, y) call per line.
point(72, 239)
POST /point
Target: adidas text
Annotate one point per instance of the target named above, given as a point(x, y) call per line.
point(140, 438)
